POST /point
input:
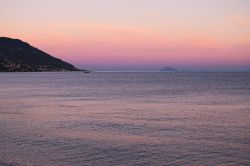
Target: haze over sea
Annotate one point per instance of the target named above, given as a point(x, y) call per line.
point(72, 118)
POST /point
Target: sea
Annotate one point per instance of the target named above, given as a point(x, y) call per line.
point(124, 119)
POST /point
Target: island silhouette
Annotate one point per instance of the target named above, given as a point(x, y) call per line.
point(169, 69)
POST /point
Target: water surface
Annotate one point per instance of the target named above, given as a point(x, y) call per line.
point(124, 119)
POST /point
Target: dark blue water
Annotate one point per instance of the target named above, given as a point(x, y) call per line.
point(124, 119)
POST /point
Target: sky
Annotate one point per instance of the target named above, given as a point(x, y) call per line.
point(134, 34)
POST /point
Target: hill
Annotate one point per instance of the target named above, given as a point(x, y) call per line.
point(17, 56)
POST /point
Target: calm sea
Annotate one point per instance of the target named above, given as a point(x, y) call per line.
point(71, 119)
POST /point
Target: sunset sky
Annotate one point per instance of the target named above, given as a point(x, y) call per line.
point(134, 34)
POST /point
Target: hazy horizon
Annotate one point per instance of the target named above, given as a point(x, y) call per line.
point(159, 68)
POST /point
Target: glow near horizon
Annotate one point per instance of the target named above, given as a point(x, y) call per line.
point(134, 34)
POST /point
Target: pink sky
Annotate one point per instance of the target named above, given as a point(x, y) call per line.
point(134, 34)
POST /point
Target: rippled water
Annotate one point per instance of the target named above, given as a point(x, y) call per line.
point(70, 119)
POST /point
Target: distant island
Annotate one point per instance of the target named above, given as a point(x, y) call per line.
point(168, 69)
point(18, 56)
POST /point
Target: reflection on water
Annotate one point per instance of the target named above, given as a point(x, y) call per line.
point(124, 119)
